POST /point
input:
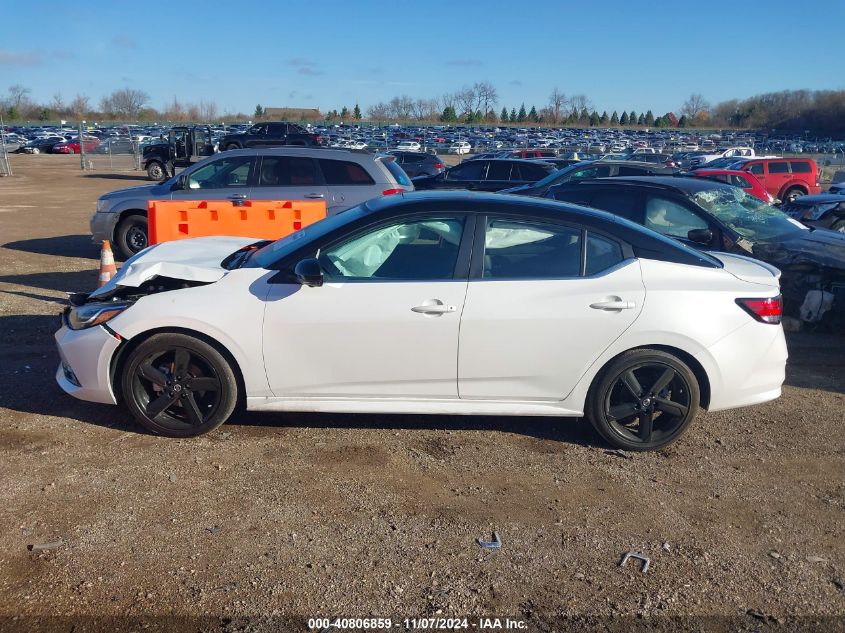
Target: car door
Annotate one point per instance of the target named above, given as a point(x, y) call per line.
point(226, 178)
point(498, 175)
point(385, 322)
point(535, 316)
point(285, 177)
point(347, 184)
point(777, 177)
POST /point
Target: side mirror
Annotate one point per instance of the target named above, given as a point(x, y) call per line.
point(309, 273)
point(700, 236)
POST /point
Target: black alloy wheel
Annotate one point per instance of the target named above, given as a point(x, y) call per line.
point(644, 400)
point(178, 386)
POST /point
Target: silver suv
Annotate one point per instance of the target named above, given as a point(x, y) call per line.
point(342, 178)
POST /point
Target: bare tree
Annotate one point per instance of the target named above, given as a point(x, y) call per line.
point(378, 111)
point(557, 103)
point(426, 109)
point(578, 103)
point(466, 100)
point(57, 104)
point(695, 105)
point(486, 96)
point(124, 103)
point(79, 106)
point(208, 110)
point(18, 96)
point(449, 99)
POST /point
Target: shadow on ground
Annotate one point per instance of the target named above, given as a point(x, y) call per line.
point(63, 246)
point(71, 281)
point(139, 177)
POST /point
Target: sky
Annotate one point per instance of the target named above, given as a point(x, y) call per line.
point(631, 54)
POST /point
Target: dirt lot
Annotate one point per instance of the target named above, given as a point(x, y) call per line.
point(278, 518)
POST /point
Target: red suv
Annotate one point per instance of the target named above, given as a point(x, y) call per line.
point(785, 178)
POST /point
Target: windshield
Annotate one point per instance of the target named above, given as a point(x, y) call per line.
point(749, 216)
point(555, 176)
point(266, 256)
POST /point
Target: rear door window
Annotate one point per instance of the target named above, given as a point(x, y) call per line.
point(287, 171)
point(527, 250)
point(342, 172)
point(779, 168)
point(470, 170)
point(531, 173)
point(499, 170)
point(621, 203)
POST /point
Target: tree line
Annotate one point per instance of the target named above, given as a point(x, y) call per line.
point(820, 112)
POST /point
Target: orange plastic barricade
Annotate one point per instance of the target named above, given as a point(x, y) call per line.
point(265, 219)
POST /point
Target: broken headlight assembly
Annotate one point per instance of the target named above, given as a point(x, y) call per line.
point(819, 210)
point(91, 314)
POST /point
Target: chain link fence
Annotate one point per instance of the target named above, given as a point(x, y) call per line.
point(5, 166)
point(116, 153)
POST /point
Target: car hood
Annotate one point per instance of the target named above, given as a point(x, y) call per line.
point(198, 259)
point(819, 247)
point(821, 198)
point(147, 192)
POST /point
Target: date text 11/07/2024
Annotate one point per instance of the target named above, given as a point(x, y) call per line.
point(415, 624)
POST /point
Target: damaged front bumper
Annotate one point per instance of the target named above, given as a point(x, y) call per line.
point(86, 358)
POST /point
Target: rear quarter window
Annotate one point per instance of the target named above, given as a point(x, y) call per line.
point(602, 253)
point(397, 172)
point(341, 172)
point(800, 167)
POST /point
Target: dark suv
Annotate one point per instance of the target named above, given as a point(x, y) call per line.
point(418, 163)
point(591, 169)
point(487, 175)
point(721, 217)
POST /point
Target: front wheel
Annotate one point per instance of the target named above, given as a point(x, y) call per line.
point(233, 146)
point(155, 171)
point(178, 386)
point(643, 400)
point(132, 234)
point(36, 151)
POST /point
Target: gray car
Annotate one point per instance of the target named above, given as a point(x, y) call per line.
point(342, 178)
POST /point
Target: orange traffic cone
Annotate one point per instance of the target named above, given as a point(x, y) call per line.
point(107, 267)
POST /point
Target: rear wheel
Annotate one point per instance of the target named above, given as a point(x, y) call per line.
point(792, 194)
point(35, 150)
point(131, 235)
point(178, 386)
point(233, 146)
point(71, 151)
point(643, 400)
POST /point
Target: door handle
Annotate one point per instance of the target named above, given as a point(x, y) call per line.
point(237, 196)
point(614, 305)
point(314, 196)
point(434, 307)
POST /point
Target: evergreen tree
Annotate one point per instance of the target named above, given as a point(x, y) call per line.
point(683, 121)
point(624, 119)
point(604, 118)
point(503, 117)
point(357, 112)
point(584, 117)
point(594, 119)
point(641, 120)
point(513, 115)
point(522, 114)
point(649, 118)
point(614, 118)
point(532, 116)
point(449, 115)
point(259, 111)
point(344, 112)
point(632, 118)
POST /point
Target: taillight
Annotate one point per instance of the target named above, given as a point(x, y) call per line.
point(769, 310)
point(390, 192)
point(439, 166)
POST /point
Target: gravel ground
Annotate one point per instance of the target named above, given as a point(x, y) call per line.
point(274, 519)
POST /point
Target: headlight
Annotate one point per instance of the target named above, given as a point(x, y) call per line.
point(101, 205)
point(91, 314)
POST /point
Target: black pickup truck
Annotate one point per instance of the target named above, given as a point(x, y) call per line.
point(271, 134)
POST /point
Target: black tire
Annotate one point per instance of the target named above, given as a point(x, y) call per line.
point(838, 226)
point(645, 420)
point(178, 386)
point(132, 234)
point(792, 194)
point(156, 171)
point(232, 146)
point(71, 151)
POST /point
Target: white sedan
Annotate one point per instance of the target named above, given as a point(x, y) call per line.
point(437, 302)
